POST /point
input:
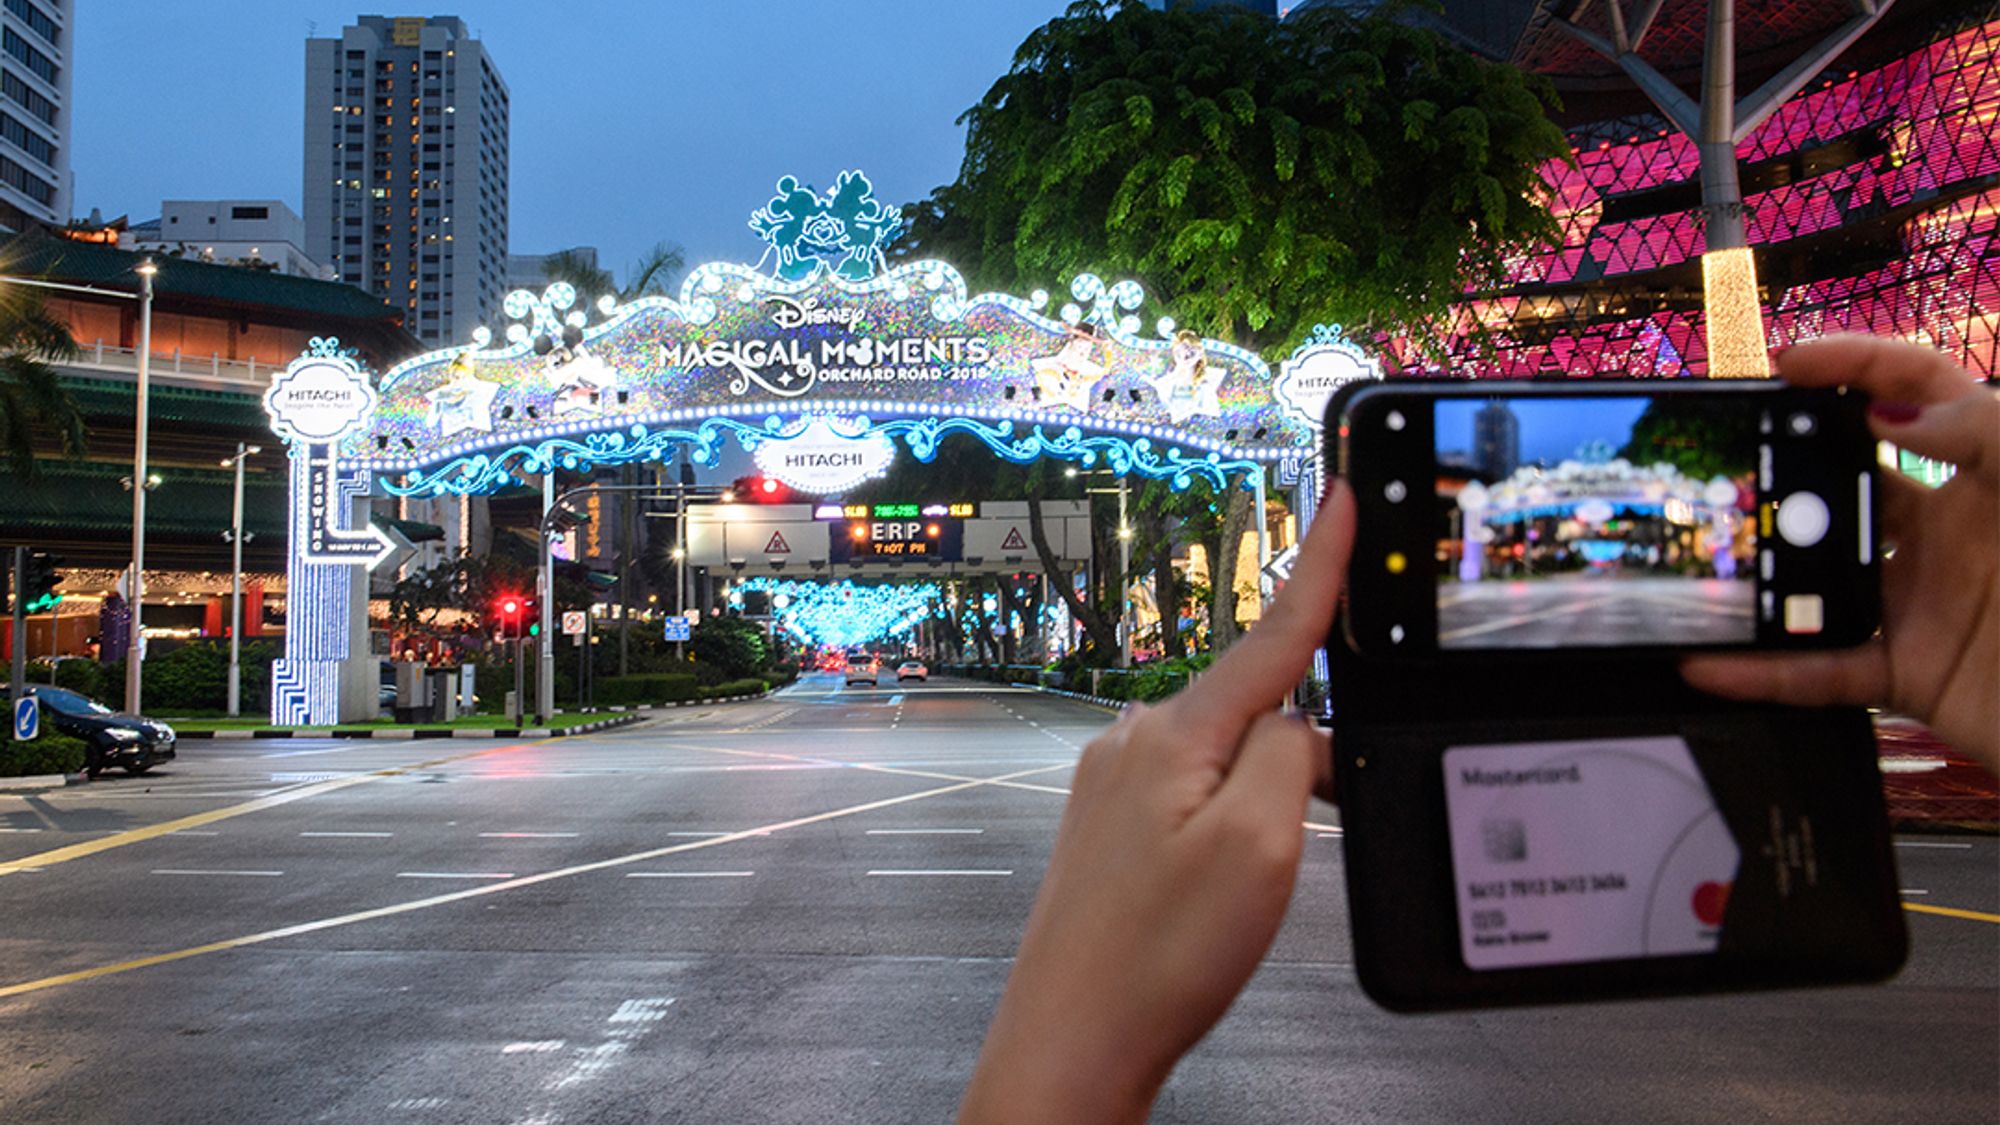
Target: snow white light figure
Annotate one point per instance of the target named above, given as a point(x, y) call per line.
point(1065, 378)
point(1186, 388)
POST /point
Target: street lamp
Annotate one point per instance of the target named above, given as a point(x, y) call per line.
point(236, 578)
point(135, 650)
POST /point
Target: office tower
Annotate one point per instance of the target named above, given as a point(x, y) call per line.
point(1496, 441)
point(34, 112)
point(406, 169)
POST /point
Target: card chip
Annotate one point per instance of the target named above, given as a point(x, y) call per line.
point(1506, 841)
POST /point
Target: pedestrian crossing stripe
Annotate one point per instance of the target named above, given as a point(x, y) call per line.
point(777, 545)
point(1013, 542)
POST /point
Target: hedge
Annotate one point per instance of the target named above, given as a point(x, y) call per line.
point(49, 754)
point(645, 689)
point(734, 687)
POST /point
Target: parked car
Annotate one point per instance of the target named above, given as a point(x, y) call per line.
point(862, 669)
point(912, 670)
point(131, 742)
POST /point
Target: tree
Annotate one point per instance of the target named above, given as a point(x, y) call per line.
point(32, 398)
point(1257, 176)
point(652, 274)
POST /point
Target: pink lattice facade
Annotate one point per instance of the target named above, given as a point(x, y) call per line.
point(1872, 200)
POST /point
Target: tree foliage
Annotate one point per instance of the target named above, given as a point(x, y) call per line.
point(32, 398)
point(1257, 176)
point(1702, 437)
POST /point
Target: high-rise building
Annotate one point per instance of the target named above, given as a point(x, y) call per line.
point(34, 113)
point(261, 234)
point(1496, 441)
point(406, 169)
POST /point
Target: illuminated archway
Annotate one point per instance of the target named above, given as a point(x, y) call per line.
point(828, 360)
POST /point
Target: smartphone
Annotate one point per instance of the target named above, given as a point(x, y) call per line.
point(1555, 859)
point(1636, 515)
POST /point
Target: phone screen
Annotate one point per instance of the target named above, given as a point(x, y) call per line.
point(1596, 521)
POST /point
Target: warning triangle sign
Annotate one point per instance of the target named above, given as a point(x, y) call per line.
point(1013, 542)
point(777, 545)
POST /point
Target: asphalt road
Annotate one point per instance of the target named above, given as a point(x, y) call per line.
point(800, 909)
point(1578, 609)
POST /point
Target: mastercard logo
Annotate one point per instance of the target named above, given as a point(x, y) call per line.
point(1710, 901)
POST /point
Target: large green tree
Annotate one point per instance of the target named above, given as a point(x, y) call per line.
point(32, 399)
point(1257, 176)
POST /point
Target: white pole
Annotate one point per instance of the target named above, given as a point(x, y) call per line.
point(135, 649)
point(1263, 548)
point(545, 679)
point(236, 589)
point(680, 561)
point(1124, 581)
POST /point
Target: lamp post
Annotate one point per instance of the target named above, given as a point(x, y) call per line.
point(135, 649)
point(1124, 579)
point(236, 578)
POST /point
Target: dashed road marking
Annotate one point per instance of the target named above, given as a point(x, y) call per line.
point(689, 874)
point(925, 831)
point(203, 871)
point(936, 871)
point(527, 835)
point(1931, 844)
point(454, 874)
point(347, 835)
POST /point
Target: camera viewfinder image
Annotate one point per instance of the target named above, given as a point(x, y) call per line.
point(1602, 521)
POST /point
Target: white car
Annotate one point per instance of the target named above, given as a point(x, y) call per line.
point(912, 670)
point(862, 670)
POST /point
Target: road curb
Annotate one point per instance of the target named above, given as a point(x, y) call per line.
point(619, 716)
point(1093, 700)
point(39, 783)
point(409, 734)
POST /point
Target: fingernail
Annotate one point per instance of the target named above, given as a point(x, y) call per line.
point(1895, 413)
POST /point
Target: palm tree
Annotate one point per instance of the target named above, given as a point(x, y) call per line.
point(653, 274)
point(32, 397)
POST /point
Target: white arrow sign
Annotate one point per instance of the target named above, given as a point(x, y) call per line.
point(325, 543)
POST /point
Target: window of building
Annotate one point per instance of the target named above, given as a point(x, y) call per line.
point(249, 212)
point(26, 182)
point(27, 97)
point(27, 140)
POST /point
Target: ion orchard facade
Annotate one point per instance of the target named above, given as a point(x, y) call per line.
point(1872, 202)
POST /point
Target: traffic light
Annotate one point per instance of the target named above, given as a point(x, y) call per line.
point(531, 617)
point(761, 490)
point(510, 611)
point(42, 580)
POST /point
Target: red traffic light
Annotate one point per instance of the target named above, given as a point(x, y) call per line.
point(510, 606)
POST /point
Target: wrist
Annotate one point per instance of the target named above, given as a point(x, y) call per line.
point(1038, 1067)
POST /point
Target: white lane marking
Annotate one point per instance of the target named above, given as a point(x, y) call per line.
point(527, 835)
point(533, 1047)
point(198, 871)
point(926, 831)
point(347, 835)
point(937, 871)
point(689, 874)
point(1928, 844)
point(193, 832)
point(454, 874)
point(16, 830)
point(698, 834)
point(1327, 835)
point(419, 1103)
point(637, 1018)
point(1914, 891)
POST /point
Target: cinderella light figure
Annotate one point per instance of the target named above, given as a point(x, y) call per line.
point(1065, 378)
point(462, 402)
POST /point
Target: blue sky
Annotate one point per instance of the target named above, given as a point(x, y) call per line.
point(632, 122)
point(1551, 429)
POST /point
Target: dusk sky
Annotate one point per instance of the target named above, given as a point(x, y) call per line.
point(631, 123)
point(1551, 430)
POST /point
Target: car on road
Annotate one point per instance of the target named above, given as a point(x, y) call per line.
point(862, 669)
point(131, 742)
point(912, 670)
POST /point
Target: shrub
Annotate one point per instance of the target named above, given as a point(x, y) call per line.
point(734, 687)
point(651, 688)
point(51, 753)
point(195, 677)
point(731, 645)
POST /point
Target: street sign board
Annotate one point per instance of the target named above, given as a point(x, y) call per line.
point(27, 719)
point(574, 623)
point(678, 629)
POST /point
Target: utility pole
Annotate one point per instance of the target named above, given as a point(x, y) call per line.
point(135, 649)
point(1125, 579)
point(19, 682)
point(236, 583)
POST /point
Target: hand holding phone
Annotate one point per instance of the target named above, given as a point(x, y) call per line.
point(1631, 515)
